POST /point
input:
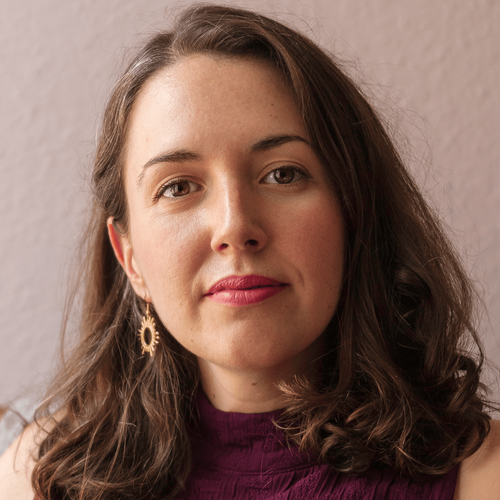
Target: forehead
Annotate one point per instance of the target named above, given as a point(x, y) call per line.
point(201, 79)
point(206, 100)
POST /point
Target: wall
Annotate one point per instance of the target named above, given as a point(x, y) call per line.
point(435, 62)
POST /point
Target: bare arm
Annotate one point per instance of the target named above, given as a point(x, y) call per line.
point(479, 476)
point(16, 465)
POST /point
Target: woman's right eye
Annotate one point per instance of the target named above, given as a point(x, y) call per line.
point(177, 188)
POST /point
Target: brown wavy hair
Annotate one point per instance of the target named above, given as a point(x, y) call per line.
point(399, 386)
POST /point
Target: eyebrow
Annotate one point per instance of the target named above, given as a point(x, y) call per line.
point(183, 155)
point(274, 141)
point(178, 156)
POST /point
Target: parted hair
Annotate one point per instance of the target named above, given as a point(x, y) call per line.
point(400, 377)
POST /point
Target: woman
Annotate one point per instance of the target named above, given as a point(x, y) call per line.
point(254, 223)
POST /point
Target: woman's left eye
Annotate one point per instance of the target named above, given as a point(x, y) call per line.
point(284, 175)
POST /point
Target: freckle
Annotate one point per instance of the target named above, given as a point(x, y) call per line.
point(254, 383)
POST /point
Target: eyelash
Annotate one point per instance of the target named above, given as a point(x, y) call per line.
point(287, 167)
point(169, 184)
point(173, 182)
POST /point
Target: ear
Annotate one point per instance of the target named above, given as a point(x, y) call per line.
point(125, 254)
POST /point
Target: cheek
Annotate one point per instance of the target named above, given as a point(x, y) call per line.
point(318, 237)
point(318, 248)
point(169, 254)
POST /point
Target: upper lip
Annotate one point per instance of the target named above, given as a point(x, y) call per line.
point(243, 283)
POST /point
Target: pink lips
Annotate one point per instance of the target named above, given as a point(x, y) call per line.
point(244, 290)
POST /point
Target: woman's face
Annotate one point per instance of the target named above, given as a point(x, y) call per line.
point(222, 184)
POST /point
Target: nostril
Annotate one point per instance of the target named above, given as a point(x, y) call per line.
point(252, 243)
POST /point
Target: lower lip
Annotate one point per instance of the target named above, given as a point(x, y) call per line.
point(245, 297)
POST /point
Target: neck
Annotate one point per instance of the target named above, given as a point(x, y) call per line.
point(240, 391)
point(251, 391)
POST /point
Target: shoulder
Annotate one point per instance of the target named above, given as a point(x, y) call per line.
point(479, 475)
point(16, 465)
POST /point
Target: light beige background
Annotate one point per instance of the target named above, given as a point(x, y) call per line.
point(436, 64)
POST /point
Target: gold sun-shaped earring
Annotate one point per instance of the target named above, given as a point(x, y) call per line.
point(148, 334)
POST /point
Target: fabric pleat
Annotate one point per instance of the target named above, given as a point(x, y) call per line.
point(238, 455)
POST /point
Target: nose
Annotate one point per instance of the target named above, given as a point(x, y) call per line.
point(236, 221)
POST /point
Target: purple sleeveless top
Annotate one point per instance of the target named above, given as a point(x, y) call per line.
point(240, 455)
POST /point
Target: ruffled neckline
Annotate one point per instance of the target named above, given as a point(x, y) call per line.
point(243, 442)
